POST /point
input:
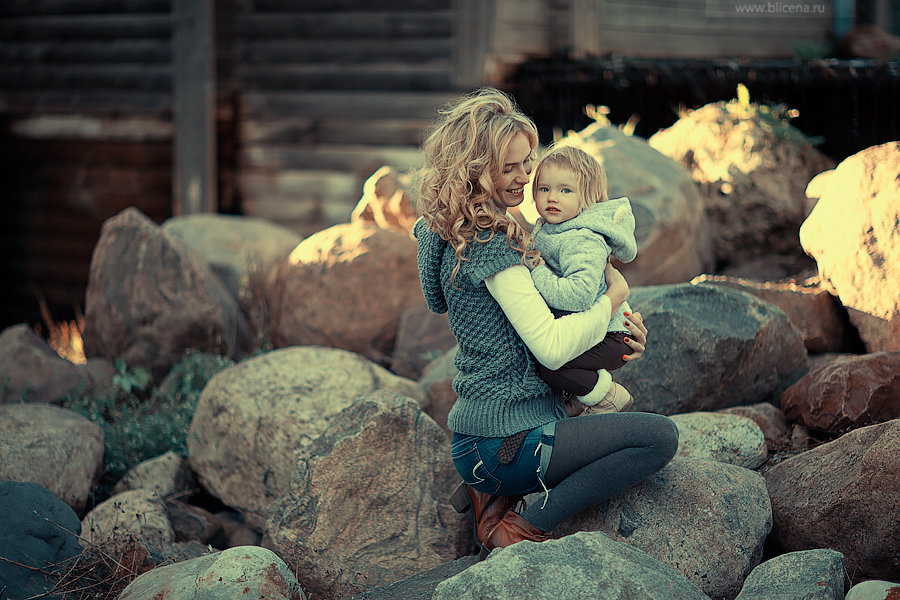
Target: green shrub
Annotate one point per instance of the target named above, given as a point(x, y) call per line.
point(139, 424)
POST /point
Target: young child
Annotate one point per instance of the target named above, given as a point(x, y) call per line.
point(578, 230)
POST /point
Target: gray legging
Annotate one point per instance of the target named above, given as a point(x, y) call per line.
point(595, 457)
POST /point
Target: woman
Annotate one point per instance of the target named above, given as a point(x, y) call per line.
point(511, 434)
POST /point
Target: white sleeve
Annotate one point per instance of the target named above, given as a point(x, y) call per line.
point(554, 342)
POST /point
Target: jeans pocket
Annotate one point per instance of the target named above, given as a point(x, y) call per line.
point(478, 473)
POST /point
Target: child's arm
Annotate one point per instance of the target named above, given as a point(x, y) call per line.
point(581, 261)
point(554, 342)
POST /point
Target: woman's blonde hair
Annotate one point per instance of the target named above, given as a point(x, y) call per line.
point(464, 153)
point(590, 173)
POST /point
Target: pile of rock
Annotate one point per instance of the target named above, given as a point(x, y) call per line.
point(315, 469)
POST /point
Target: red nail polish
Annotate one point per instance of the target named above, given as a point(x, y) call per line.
point(624, 357)
point(626, 340)
point(627, 314)
point(627, 324)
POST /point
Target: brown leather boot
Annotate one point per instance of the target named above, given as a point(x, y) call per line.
point(488, 510)
point(512, 528)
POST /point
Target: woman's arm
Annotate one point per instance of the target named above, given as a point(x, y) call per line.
point(554, 342)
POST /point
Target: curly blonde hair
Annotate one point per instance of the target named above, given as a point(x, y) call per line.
point(589, 172)
point(464, 151)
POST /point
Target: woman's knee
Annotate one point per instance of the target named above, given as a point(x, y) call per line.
point(665, 435)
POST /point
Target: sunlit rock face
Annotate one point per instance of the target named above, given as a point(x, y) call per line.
point(670, 226)
point(854, 234)
point(345, 287)
point(751, 169)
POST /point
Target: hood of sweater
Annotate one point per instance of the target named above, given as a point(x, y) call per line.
point(430, 253)
point(612, 219)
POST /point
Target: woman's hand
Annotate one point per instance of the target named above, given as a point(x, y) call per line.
point(618, 291)
point(635, 324)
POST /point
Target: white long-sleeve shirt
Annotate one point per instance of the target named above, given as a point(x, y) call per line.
point(554, 342)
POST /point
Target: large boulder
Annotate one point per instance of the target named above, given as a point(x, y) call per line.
point(368, 504)
point(752, 170)
point(421, 337)
point(233, 246)
point(727, 438)
point(54, 447)
point(253, 418)
point(804, 575)
point(30, 371)
point(38, 536)
point(710, 347)
point(437, 384)
point(345, 287)
point(149, 298)
point(671, 228)
point(165, 475)
point(683, 512)
point(388, 200)
point(234, 574)
point(132, 516)
point(854, 234)
point(848, 391)
point(583, 565)
point(771, 421)
point(814, 311)
point(843, 495)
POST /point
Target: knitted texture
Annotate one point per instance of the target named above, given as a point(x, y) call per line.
point(576, 252)
point(498, 390)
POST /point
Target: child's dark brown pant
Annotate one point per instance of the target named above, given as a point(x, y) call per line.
point(579, 375)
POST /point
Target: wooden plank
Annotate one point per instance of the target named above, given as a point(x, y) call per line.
point(89, 102)
point(354, 25)
point(361, 160)
point(365, 51)
point(343, 5)
point(437, 75)
point(396, 132)
point(80, 127)
point(114, 76)
point(358, 105)
point(144, 51)
point(663, 18)
point(72, 184)
point(74, 7)
point(653, 45)
point(69, 27)
point(194, 179)
point(98, 153)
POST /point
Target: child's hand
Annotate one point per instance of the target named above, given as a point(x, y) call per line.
point(635, 324)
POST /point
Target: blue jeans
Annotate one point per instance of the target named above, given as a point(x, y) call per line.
point(476, 461)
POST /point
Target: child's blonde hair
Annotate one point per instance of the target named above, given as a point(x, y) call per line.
point(589, 172)
point(464, 151)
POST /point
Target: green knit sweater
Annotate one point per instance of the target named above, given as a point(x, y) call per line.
point(498, 390)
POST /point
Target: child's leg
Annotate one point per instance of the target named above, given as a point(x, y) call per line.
point(605, 355)
point(573, 380)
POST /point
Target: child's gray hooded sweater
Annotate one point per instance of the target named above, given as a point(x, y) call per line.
point(576, 252)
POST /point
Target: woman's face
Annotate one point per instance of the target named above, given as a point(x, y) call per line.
point(515, 172)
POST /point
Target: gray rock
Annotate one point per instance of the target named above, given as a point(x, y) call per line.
point(37, 531)
point(164, 475)
point(369, 502)
point(583, 566)
point(721, 437)
point(804, 575)
point(54, 447)
point(770, 419)
point(710, 348)
point(253, 418)
point(233, 245)
point(683, 515)
point(133, 515)
point(843, 495)
point(874, 590)
point(234, 574)
point(30, 371)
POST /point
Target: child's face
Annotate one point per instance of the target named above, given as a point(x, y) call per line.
point(556, 194)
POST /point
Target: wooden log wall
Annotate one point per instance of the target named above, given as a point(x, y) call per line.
point(330, 91)
point(85, 131)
